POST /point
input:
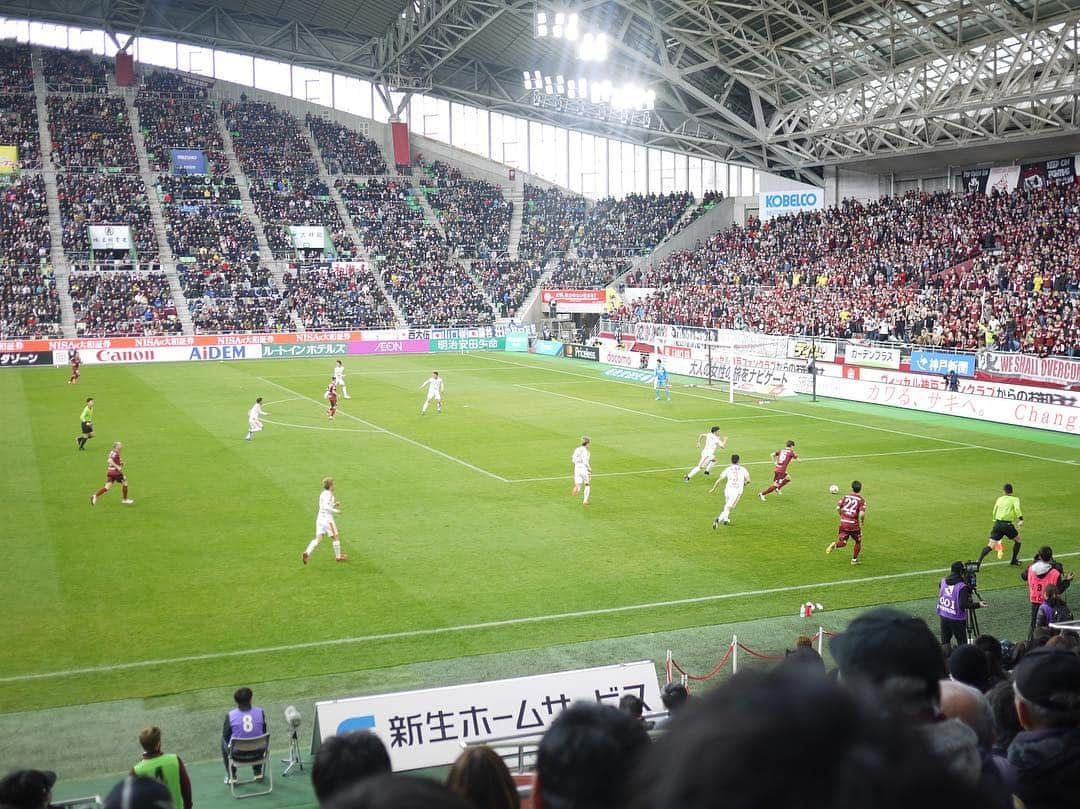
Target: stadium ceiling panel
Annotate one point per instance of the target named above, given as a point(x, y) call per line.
point(783, 85)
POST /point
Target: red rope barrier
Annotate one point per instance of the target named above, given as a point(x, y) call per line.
point(716, 669)
point(750, 651)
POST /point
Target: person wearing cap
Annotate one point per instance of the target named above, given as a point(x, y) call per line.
point(165, 767)
point(242, 722)
point(1046, 753)
point(1044, 571)
point(954, 601)
point(27, 789)
point(139, 793)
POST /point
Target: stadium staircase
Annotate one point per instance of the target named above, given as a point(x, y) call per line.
point(429, 213)
point(52, 197)
point(701, 229)
point(168, 260)
point(517, 199)
point(467, 264)
point(266, 258)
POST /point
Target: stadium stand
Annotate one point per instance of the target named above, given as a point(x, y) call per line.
point(16, 70)
point(91, 133)
point(473, 212)
point(385, 213)
point(24, 223)
point(233, 298)
point(68, 72)
point(507, 282)
point(269, 143)
point(298, 201)
point(551, 222)
point(950, 269)
point(329, 298)
point(631, 226)
point(435, 290)
point(29, 302)
point(115, 199)
point(345, 151)
point(175, 114)
point(19, 125)
point(582, 273)
point(123, 303)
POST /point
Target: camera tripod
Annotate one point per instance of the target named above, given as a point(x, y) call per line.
point(294, 759)
point(972, 618)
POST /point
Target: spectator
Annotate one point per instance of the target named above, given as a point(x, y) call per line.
point(165, 767)
point(342, 297)
point(586, 273)
point(106, 199)
point(245, 721)
point(991, 647)
point(632, 705)
point(587, 759)
point(967, 664)
point(139, 793)
point(19, 121)
point(1046, 754)
point(122, 303)
point(631, 226)
point(479, 775)
point(91, 133)
point(1053, 610)
point(398, 792)
point(27, 789)
point(343, 150)
point(507, 282)
point(71, 72)
point(175, 114)
point(473, 212)
point(674, 696)
point(1006, 722)
point(550, 222)
point(804, 657)
point(269, 143)
point(346, 759)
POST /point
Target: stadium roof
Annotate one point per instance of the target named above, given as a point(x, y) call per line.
point(783, 85)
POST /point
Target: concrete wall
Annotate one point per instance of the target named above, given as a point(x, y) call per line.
point(841, 184)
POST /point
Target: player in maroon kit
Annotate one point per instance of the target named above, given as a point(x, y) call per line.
point(114, 474)
point(76, 362)
point(782, 457)
point(852, 510)
point(331, 397)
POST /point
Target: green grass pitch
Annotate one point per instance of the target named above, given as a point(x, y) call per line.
point(462, 534)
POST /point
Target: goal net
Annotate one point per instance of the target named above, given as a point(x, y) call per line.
point(753, 368)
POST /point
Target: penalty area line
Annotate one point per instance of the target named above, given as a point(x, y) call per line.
point(398, 436)
point(499, 624)
point(328, 429)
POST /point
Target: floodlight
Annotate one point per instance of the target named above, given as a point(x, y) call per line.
point(583, 87)
point(547, 85)
point(571, 32)
point(526, 77)
point(541, 30)
point(560, 85)
point(541, 18)
point(601, 47)
point(650, 100)
point(538, 80)
point(571, 89)
point(560, 19)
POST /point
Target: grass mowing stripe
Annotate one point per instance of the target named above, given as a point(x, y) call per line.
point(598, 404)
point(751, 463)
point(398, 436)
point(816, 418)
point(533, 619)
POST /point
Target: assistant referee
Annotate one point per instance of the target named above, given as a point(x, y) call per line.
point(86, 423)
point(1008, 520)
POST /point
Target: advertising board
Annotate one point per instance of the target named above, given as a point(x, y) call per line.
point(109, 237)
point(782, 203)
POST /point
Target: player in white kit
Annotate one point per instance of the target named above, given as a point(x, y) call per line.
point(735, 478)
point(339, 379)
point(324, 523)
point(254, 425)
point(713, 442)
point(582, 469)
point(434, 391)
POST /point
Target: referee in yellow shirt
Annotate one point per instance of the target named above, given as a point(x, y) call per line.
point(1008, 520)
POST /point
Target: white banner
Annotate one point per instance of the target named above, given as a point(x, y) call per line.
point(109, 237)
point(1003, 179)
point(1058, 418)
point(426, 728)
point(1056, 370)
point(872, 356)
point(802, 348)
point(781, 203)
point(976, 387)
point(125, 356)
point(620, 357)
point(308, 236)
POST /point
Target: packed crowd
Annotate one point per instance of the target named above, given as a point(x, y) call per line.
point(24, 222)
point(385, 214)
point(113, 199)
point(507, 281)
point(631, 226)
point(949, 269)
point(345, 151)
point(298, 202)
point(205, 188)
point(16, 70)
point(473, 212)
point(341, 296)
point(91, 132)
point(550, 222)
point(29, 302)
point(174, 114)
point(119, 303)
point(19, 127)
point(586, 273)
point(233, 298)
point(71, 72)
point(435, 291)
point(269, 143)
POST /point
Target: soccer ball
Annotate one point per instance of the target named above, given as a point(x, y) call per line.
point(834, 489)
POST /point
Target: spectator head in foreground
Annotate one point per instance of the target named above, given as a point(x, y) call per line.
point(136, 792)
point(27, 789)
point(969, 705)
point(1047, 687)
point(898, 656)
point(389, 791)
point(968, 664)
point(480, 776)
point(794, 740)
point(346, 759)
point(587, 758)
point(674, 697)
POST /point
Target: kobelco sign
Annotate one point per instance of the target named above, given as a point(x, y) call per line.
point(781, 203)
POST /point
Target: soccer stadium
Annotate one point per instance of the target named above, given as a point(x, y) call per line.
point(485, 404)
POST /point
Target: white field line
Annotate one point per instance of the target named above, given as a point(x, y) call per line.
point(414, 371)
point(642, 412)
point(398, 436)
point(772, 409)
point(445, 630)
point(749, 463)
point(327, 428)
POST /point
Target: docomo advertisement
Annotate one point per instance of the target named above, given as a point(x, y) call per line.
point(427, 728)
point(782, 203)
point(109, 237)
point(1058, 418)
point(575, 300)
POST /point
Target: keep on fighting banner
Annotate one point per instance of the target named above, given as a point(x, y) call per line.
point(426, 728)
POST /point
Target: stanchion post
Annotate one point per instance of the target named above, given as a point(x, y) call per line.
point(821, 641)
point(734, 654)
point(667, 666)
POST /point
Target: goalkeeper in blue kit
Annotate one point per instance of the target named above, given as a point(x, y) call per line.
point(660, 380)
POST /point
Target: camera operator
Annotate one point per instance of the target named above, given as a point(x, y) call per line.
point(1042, 572)
point(954, 600)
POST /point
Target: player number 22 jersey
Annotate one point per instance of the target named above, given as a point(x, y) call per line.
point(851, 507)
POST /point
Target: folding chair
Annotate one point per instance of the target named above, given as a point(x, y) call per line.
point(253, 752)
